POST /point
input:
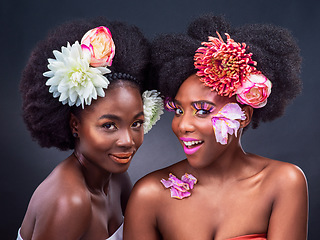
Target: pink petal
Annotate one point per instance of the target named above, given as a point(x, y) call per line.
point(166, 183)
point(178, 188)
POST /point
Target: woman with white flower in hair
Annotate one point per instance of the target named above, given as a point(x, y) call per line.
point(82, 90)
point(218, 80)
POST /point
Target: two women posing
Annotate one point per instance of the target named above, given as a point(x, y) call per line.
point(217, 79)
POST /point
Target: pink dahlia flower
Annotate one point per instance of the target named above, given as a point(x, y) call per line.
point(99, 43)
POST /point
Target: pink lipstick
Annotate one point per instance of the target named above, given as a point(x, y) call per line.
point(191, 145)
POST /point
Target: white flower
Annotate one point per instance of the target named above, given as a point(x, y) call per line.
point(152, 108)
point(72, 79)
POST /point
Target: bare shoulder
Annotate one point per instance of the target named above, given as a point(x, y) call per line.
point(286, 172)
point(144, 204)
point(289, 193)
point(60, 201)
point(150, 187)
point(285, 177)
point(63, 193)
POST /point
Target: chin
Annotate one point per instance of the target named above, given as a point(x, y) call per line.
point(196, 162)
point(121, 169)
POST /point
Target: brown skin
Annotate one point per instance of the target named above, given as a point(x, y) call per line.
point(237, 193)
point(85, 195)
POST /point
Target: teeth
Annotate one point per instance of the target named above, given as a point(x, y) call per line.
point(191, 143)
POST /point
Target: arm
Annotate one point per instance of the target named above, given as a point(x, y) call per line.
point(289, 217)
point(140, 222)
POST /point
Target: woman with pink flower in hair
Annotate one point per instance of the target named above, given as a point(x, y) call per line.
point(218, 80)
point(82, 91)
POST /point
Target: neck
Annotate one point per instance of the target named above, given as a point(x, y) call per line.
point(96, 179)
point(230, 165)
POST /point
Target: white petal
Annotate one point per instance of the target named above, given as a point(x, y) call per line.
point(100, 92)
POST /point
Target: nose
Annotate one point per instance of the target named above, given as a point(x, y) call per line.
point(186, 123)
point(125, 138)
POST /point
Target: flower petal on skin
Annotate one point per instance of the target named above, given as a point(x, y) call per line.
point(188, 178)
point(179, 188)
point(226, 122)
point(179, 195)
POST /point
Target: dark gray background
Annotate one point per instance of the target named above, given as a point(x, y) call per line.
point(293, 138)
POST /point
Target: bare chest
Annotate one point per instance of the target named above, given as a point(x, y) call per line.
point(216, 212)
point(105, 219)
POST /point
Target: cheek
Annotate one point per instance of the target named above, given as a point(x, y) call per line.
point(205, 126)
point(138, 139)
point(95, 139)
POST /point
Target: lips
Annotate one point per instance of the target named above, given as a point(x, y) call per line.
point(121, 157)
point(191, 145)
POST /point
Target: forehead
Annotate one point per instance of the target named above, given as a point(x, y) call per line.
point(123, 100)
point(192, 89)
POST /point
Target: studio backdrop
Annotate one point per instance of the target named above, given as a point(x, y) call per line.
point(293, 138)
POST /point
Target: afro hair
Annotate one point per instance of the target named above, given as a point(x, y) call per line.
point(46, 118)
point(273, 48)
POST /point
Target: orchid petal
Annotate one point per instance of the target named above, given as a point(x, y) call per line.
point(179, 188)
point(226, 122)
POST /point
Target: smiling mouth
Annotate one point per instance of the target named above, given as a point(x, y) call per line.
point(191, 144)
point(121, 157)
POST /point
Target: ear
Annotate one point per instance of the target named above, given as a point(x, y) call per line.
point(248, 111)
point(74, 124)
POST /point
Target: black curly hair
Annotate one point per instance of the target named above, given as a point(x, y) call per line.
point(48, 119)
point(274, 49)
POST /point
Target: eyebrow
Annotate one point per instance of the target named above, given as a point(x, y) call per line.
point(115, 117)
point(203, 101)
point(195, 102)
point(176, 101)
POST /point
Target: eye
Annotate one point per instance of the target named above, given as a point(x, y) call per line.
point(137, 124)
point(110, 126)
point(172, 107)
point(202, 112)
point(202, 109)
point(178, 111)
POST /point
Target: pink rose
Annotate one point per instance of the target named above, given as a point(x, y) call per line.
point(101, 46)
point(254, 91)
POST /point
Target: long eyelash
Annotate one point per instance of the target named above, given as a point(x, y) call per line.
point(203, 106)
point(170, 106)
